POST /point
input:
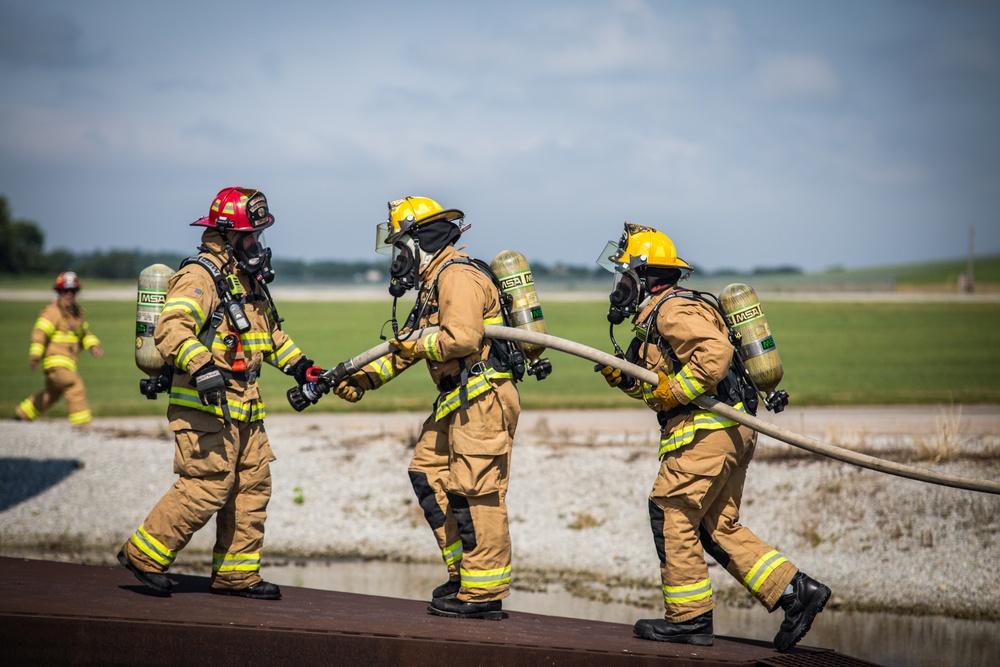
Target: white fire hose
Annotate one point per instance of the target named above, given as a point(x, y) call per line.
point(335, 375)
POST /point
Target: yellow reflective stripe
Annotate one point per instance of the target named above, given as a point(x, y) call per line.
point(238, 410)
point(382, 367)
point(36, 349)
point(452, 553)
point(257, 411)
point(257, 342)
point(691, 387)
point(188, 306)
point(478, 384)
point(58, 361)
point(45, 325)
point(762, 569)
point(81, 417)
point(498, 320)
point(189, 349)
point(152, 547)
point(29, 409)
point(688, 592)
point(703, 420)
point(637, 391)
point(235, 562)
point(90, 340)
point(485, 578)
point(64, 337)
point(430, 346)
point(280, 357)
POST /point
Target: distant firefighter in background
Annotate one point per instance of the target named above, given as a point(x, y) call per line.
point(60, 331)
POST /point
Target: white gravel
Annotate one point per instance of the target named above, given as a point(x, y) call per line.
point(577, 499)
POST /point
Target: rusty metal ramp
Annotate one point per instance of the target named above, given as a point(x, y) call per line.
point(66, 614)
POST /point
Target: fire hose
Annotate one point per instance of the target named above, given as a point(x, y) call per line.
point(335, 375)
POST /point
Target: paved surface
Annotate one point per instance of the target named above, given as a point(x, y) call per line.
point(55, 613)
point(577, 500)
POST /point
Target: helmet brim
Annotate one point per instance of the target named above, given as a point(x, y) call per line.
point(448, 215)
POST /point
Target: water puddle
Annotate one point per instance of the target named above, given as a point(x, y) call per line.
point(885, 639)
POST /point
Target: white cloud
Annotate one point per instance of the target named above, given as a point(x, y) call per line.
point(796, 77)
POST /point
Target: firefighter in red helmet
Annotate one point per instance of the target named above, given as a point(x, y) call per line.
point(60, 331)
point(218, 326)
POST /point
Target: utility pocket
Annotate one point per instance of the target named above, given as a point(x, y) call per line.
point(688, 474)
point(478, 461)
point(200, 453)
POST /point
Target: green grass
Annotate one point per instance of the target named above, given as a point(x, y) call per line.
point(833, 354)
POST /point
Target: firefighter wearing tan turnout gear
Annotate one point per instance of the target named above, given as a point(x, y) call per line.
point(60, 331)
point(217, 328)
point(694, 505)
point(460, 466)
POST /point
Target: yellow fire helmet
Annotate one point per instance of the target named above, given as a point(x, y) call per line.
point(642, 246)
point(407, 213)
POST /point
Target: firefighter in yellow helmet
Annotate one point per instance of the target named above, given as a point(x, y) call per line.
point(694, 505)
point(60, 331)
point(459, 468)
point(218, 326)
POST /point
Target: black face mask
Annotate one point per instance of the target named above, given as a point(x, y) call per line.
point(403, 271)
point(624, 299)
point(255, 259)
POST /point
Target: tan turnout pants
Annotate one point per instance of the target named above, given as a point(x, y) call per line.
point(459, 471)
point(695, 507)
point(225, 473)
point(59, 382)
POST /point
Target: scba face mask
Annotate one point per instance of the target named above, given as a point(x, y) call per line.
point(626, 293)
point(254, 256)
point(404, 272)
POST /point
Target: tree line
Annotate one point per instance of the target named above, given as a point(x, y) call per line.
point(22, 253)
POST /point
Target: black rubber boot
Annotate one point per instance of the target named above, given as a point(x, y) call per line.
point(447, 590)
point(154, 580)
point(696, 631)
point(455, 608)
point(262, 590)
point(808, 597)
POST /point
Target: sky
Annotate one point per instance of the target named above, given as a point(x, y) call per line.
point(819, 135)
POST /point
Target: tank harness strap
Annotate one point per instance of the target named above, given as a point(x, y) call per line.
point(504, 358)
point(732, 389)
point(207, 334)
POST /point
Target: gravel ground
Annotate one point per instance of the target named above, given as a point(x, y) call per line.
point(577, 500)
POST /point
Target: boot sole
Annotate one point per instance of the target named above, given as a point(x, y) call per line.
point(243, 594)
point(141, 576)
point(811, 612)
point(697, 640)
point(485, 615)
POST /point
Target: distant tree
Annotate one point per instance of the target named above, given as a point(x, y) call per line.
point(21, 243)
point(777, 270)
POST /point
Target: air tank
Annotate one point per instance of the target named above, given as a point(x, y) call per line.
point(757, 349)
point(152, 294)
point(514, 273)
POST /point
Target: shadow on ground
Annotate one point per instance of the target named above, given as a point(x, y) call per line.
point(22, 479)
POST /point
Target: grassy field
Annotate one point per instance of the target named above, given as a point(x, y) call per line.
point(833, 354)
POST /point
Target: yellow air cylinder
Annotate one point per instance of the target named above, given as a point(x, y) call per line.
point(757, 349)
point(514, 273)
point(152, 294)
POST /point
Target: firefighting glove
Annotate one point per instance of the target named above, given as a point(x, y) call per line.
point(354, 387)
point(663, 394)
point(409, 349)
point(349, 392)
point(612, 375)
point(300, 368)
point(211, 384)
point(615, 378)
